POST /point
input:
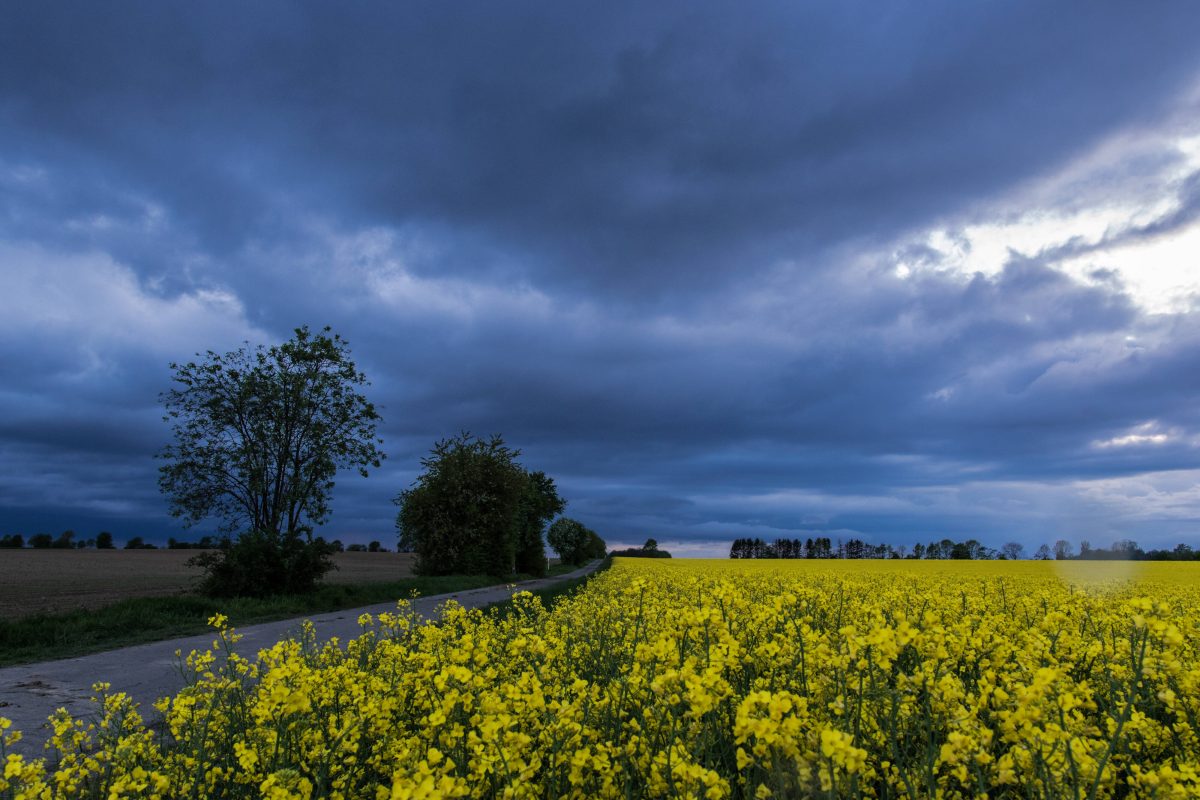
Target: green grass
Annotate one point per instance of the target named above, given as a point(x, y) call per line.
point(43, 637)
point(560, 569)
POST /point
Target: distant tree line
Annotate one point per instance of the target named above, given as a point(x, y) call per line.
point(782, 548)
point(137, 543)
point(64, 541)
point(205, 543)
point(648, 550)
point(816, 547)
point(105, 541)
point(969, 550)
point(101, 541)
point(1120, 550)
point(372, 547)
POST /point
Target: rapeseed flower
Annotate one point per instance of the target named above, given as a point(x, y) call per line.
point(687, 679)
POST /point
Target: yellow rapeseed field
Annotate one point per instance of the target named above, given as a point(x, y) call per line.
point(704, 679)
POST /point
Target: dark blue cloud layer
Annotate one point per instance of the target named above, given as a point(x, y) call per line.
point(619, 149)
point(646, 243)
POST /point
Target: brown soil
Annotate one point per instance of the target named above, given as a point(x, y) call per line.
point(36, 581)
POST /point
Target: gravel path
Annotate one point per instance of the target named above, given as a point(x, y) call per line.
point(32, 692)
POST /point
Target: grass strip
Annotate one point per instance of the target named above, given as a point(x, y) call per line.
point(43, 637)
point(559, 569)
point(552, 594)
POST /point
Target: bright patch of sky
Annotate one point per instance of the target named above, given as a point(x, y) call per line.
point(1108, 233)
point(1148, 433)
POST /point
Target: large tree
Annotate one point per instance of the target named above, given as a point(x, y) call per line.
point(259, 435)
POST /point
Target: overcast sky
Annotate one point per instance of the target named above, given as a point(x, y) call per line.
point(894, 271)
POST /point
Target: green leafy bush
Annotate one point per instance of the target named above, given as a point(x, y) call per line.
point(474, 510)
point(263, 563)
point(574, 542)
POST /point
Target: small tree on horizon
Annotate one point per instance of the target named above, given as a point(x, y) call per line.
point(1012, 550)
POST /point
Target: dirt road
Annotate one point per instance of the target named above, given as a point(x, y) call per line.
point(31, 692)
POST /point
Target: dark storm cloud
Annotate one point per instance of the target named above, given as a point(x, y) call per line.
point(619, 148)
point(652, 245)
point(1035, 368)
point(649, 428)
